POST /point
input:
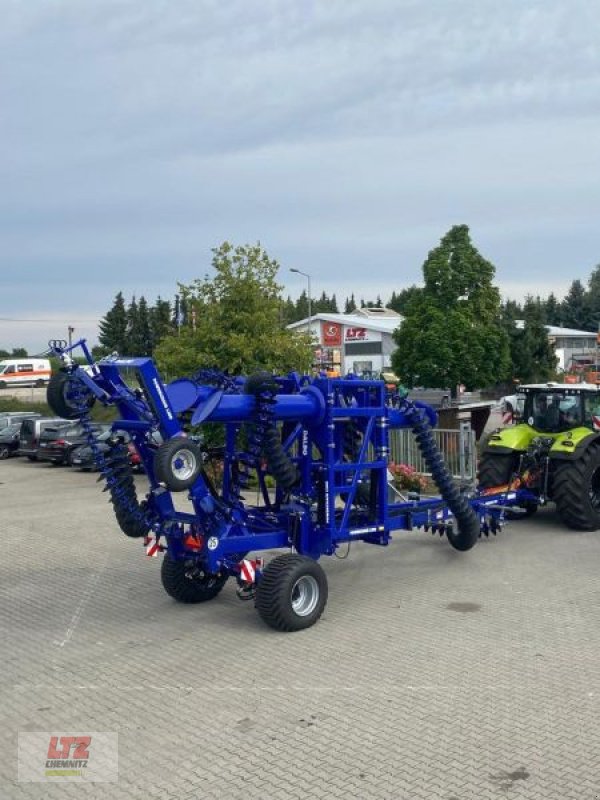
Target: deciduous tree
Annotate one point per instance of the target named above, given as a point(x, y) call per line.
point(452, 331)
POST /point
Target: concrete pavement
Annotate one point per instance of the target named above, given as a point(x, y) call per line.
point(432, 673)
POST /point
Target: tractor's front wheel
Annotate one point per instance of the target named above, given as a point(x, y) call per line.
point(292, 593)
point(497, 469)
point(188, 583)
point(576, 490)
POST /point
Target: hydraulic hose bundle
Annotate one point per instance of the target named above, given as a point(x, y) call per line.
point(466, 518)
point(264, 435)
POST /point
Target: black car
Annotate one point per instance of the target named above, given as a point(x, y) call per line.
point(84, 458)
point(31, 429)
point(9, 440)
point(57, 444)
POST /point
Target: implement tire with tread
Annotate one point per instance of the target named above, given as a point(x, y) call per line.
point(58, 394)
point(576, 490)
point(181, 584)
point(292, 592)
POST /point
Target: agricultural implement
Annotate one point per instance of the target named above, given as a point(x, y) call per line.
point(316, 451)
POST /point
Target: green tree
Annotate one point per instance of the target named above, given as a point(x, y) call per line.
point(237, 320)
point(302, 306)
point(350, 304)
point(552, 310)
point(160, 321)
point(575, 307)
point(452, 332)
point(398, 302)
point(140, 332)
point(113, 327)
point(532, 354)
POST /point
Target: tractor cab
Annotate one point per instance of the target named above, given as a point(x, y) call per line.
point(557, 408)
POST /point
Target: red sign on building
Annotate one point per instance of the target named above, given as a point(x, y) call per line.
point(356, 334)
point(331, 333)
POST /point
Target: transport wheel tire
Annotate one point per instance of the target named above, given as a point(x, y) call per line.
point(576, 490)
point(185, 583)
point(292, 593)
point(2, 384)
point(4, 451)
point(32, 458)
point(60, 388)
point(177, 464)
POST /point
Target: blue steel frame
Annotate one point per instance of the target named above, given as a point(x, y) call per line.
point(319, 515)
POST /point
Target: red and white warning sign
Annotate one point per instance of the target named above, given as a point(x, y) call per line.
point(248, 569)
point(153, 547)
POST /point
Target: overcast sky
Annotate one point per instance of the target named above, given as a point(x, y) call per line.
point(346, 136)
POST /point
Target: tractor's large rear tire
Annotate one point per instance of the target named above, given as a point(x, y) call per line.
point(292, 592)
point(576, 490)
point(185, 584)
point(496, 469)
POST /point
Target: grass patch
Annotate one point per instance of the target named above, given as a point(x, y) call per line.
point(99, 413)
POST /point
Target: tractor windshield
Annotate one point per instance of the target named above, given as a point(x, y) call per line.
point(552, 411)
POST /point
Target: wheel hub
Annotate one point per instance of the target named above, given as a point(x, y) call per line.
point(305, 595)
point(183, 465)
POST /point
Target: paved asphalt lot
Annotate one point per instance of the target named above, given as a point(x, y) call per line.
point(432, 674)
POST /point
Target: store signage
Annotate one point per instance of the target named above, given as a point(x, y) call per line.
point(356, 334)
point(331, 333)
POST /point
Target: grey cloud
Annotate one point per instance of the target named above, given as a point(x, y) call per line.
point(345, 136)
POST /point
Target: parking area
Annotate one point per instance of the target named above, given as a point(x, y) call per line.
point(432, 673)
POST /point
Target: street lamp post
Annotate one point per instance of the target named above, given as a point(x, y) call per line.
point(307, 276)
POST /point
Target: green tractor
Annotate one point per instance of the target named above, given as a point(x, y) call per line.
point(552, 453)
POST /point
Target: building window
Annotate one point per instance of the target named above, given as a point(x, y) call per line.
point(364, 349)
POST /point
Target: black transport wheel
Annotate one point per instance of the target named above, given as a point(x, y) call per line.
point(292, 592)
point(4, 451)
point(177, 464)
point(65, 394)
point(187, 583)
point(576, 490)
point(496, 469)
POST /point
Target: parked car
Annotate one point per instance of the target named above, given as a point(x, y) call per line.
point(57, 443)
point(83, 458)
point(29, 435)
point(9, 439)
point(15, 417)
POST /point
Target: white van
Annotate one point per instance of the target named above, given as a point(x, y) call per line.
point(24, 372)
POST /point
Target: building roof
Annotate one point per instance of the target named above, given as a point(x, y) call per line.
point(383, 324)
point(556, 330)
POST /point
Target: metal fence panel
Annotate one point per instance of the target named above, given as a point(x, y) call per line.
point(457, 447)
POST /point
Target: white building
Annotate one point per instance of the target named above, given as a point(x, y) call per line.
point(360, 342)
point(569, 344)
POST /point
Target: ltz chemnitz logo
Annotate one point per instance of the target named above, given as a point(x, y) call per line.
point(68, 755)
